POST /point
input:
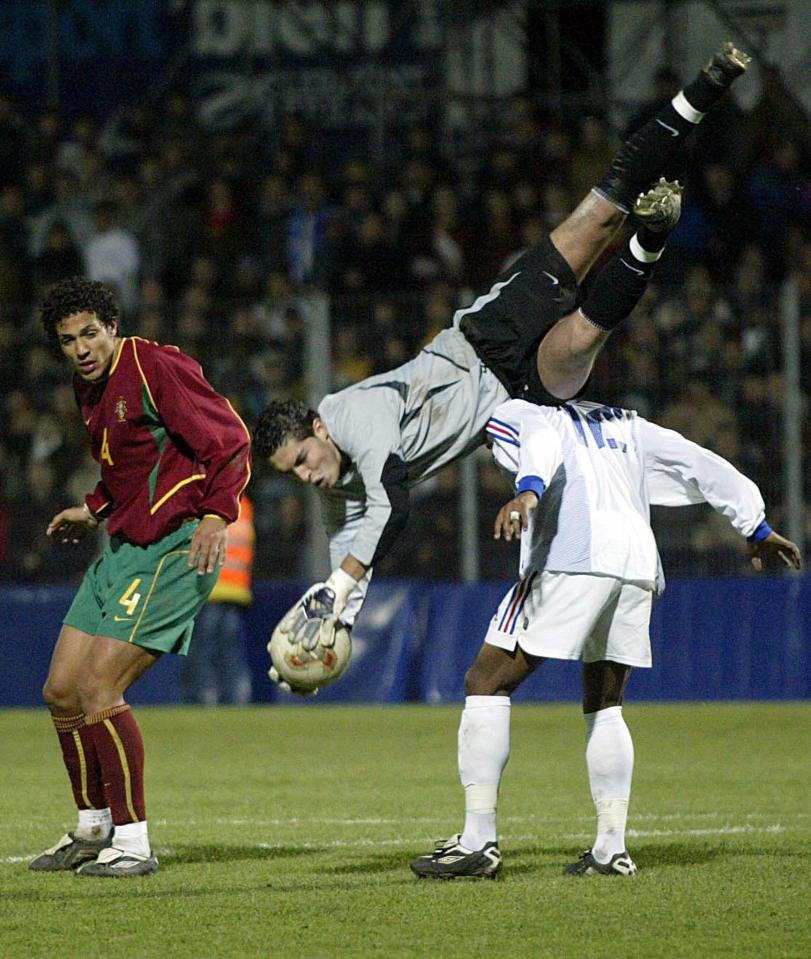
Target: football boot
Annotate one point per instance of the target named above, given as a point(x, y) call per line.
point(117, 862)
point(451, 860)
point(69, 853)
point(619, 864)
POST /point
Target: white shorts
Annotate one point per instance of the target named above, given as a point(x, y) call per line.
point(575, 616)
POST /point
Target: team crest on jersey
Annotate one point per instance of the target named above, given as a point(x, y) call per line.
point(121, 409)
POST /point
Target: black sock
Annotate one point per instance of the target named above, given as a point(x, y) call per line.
point(644, 157)
point(617, 289)
point(649, 241)
point(702, 93)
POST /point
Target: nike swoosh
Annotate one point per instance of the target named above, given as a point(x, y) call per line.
point(673, 131)
point(554, 279)
point(640, 272)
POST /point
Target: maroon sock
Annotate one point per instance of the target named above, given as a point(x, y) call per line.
point(121, 754)
point(79, 753)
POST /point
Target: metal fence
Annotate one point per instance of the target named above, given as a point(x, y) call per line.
point(721, 363)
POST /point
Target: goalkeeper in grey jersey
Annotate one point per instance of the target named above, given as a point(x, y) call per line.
point(531, 336)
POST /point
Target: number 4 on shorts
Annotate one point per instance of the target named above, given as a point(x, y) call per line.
point(130, 598)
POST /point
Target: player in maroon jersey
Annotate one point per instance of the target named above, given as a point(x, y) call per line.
point(174, 459)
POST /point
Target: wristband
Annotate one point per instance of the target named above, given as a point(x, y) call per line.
point(760, 533)
point(531, 484)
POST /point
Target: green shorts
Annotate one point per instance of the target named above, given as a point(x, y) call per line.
point(146, 595)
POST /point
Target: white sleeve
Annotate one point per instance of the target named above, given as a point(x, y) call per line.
point(526, 445)
point(679, 472)
point(540, 455)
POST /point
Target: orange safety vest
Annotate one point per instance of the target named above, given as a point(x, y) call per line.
point(234, 583)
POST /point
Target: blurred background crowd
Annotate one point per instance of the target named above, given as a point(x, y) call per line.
point(210, 241)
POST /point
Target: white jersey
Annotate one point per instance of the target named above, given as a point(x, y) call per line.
point(596, 471)
point(396, 429)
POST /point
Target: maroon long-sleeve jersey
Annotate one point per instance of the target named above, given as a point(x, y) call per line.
point(170, 447)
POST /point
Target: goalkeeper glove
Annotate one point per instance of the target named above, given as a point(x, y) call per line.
point(319, 609)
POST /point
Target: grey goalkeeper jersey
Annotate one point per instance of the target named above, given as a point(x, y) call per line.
point(396, 429)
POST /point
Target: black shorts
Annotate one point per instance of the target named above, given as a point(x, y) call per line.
point(508, 324)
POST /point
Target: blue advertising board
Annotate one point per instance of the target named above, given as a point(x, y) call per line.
point(713, 639)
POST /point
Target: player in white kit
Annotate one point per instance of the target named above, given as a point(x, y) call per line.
point(585, 477)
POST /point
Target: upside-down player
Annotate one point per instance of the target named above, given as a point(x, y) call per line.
point(174, 460)
point(585, 476)
point(528, 337)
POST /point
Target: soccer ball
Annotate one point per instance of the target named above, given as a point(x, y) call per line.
point(307, 670)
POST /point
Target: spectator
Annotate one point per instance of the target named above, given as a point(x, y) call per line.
point(496, 239)
point(221, 230)
point(307, 223)
point(13, 142)
point(45, 138)
point(728, 219)
point(591, 155)
point(72, 153)
point(271, 220)
point(59, 259)
point(14, 259)
point(112, 257)
point(367, 261)
point(70, 208)
point(775, 188)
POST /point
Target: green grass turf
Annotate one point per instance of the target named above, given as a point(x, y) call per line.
point(288, 832)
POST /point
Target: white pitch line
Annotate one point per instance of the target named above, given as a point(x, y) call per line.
point(744, 829)
point(569, 837)
point(379, 821)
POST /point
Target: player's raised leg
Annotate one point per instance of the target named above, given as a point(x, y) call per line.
point(483, 751)
point(94, 827)
point(642, 159)
point(610, 763)
point(568, 351)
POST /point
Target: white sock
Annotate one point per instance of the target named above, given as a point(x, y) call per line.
point(94, 823)
point(484, 748)
point(610, 763)
point(684, 108)
point(132, 837)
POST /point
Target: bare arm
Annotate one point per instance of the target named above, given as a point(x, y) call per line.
point(354, 567)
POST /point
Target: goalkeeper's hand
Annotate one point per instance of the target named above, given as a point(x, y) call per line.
point(315, 616)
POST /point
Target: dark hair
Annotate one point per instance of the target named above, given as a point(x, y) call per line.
point(283, 420)
point(77, 295)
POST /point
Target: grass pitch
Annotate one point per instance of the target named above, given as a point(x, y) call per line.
point(288, 832)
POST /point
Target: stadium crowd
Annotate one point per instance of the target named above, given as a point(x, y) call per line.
point(210, 239)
